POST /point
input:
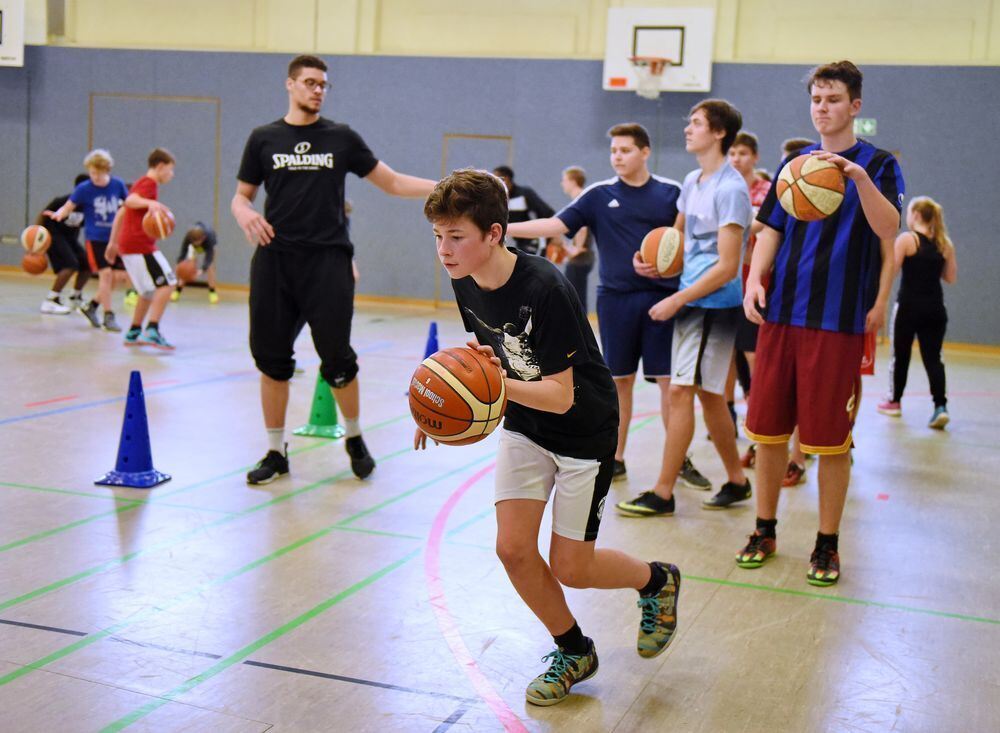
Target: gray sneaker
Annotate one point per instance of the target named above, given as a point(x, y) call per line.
point(89, 312)
point(692, 477)
point(110, 324)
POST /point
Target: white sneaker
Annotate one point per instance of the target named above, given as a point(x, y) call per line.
point(54, 307)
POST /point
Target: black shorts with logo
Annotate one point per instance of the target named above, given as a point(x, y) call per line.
point(290, 288)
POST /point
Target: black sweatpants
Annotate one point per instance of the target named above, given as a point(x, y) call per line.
point(928, 324)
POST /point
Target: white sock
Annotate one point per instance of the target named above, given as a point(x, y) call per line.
point(352, 427)
point(76, 294)
point(276, 440)
point(53, 295)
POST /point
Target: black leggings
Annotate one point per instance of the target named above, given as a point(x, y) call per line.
point(928, 324)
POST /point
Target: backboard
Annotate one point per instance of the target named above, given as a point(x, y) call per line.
point(686, 36)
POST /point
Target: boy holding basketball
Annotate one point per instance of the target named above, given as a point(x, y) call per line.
point(830, 285)
point(146, 265)
point(559, 432)
point(715, 214)
point(619, 212)
point(199, 247)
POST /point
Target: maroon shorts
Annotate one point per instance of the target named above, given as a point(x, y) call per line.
point(809, 378)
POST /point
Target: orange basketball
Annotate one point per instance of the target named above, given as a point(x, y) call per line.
point(36, 239)
point(159, 224)
point(810, 188)
point(457, 396)
point(187, 270)
point(34, 263)
point(664, 248)
point(555, 252)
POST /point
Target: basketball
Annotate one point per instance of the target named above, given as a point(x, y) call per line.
point(664, 248)
point(457, 396)
point(158, 225)
point(810, 188)
point(555, 253)
point(187, 270)
point(34, 263)
point(36, 239)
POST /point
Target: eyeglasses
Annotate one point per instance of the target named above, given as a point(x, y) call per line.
point(312, 84)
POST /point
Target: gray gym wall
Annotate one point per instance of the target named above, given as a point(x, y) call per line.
point(939, 119)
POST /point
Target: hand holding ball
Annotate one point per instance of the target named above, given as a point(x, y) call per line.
point(457, 396)
point(810, 188)
point(187, 271)
point(664, 249)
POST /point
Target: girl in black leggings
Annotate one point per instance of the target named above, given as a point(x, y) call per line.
point(926, 256)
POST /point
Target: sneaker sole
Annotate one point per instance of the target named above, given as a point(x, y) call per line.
point(557, 700)
point(821, 583)
point(641, 513)
point(720, 507)
point(939, 423)
point(693, 485)
point(891, 413)
point(619, 477)
point(275, 477)
point(753, 565)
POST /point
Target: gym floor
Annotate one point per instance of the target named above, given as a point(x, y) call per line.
point(320, 602)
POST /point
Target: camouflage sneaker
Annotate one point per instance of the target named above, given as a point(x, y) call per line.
point(824, 567)
point(659, 615)
point(757, 551)
point(565, 670)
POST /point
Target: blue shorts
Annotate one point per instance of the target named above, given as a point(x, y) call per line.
point(628, 333)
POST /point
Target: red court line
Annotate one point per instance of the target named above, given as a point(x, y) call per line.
point(446, 622)
point(67, 398)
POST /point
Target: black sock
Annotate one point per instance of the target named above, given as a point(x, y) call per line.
point(211, 290)
point(826, 540)
point(178, 288)
point(573, 641)
point(93, 304)
point(657, 579)
point(155, 325)
point(765, 527)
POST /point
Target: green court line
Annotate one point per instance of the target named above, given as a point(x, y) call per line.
point(844, 599)
point(112, 497)
point(203, 587)
point(157, 499)
point(241, 654)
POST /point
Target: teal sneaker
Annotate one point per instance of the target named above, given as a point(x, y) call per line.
point(659, 615)
point(939, 419)
point(153, 337)
point(132, 336)
point(565, 670)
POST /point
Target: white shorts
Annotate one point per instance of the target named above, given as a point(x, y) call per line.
point(148, 272)
point(703, 347)
point(525, 470)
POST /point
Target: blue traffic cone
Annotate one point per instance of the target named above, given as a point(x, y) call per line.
point(323, 414)
point(432, 340)
point(134, 467)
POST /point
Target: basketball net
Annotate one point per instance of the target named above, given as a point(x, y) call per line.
point(648, 70)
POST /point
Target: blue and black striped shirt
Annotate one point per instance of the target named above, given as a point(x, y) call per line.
point(826, 272)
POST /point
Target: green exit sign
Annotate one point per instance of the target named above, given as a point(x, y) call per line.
point(865, 125)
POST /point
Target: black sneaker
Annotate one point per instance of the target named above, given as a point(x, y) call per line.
point(89, 312)
point(728, 495)
point(647, 504)
point(692, 477)
point(110, 324)
point(273, 465)
point(618, 472)
point(362, 462)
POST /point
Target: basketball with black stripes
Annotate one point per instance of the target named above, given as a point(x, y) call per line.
point(810, 188)
point(457, 396)
point(158, 224)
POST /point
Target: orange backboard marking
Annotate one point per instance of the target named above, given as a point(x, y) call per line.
point(617, 81)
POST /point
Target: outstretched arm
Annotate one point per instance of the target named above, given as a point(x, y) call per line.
point(882, 214)
point(399, 184)
point(550, 227)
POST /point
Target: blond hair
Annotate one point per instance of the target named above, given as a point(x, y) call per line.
point(931, 214)
point(100, 159)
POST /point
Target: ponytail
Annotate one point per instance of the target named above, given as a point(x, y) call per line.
point(931, 214)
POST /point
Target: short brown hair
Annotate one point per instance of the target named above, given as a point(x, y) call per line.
point(794, 144)
point(747, 140)
point(843, 71)
point(633, 130)
point(160, 156)
point(475, 194)
point(722, 117)
point(304, 61)
point(576, 174)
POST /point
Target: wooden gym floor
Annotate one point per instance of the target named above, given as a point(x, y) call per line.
point(321, 603)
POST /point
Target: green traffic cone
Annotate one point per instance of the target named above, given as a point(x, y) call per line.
point(323, 416)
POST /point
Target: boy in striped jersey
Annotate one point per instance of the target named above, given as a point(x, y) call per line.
point(830, 285)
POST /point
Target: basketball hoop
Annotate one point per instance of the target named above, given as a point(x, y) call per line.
point(648, 70)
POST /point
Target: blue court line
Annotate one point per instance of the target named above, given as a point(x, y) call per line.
point(377, 346)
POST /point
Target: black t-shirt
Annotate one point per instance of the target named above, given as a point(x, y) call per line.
point(67, 230)
point(536, 325)
point(303, 169)
point(207, 248)
point(524, 205)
